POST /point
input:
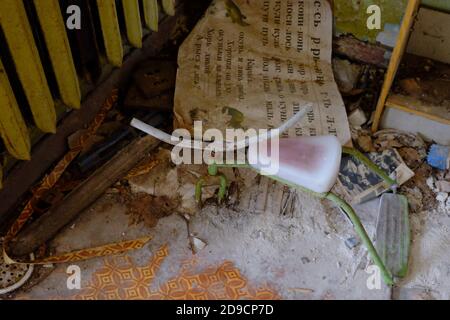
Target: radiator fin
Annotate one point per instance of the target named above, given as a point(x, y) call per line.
point(17, 30)
point(54, 29)
point(133, 22)
point(151, 13)
point(13, 129)
point(111, 31)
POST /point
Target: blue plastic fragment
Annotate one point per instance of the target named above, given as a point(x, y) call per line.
point(439, 156)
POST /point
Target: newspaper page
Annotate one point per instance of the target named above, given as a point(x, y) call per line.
point(255, 63)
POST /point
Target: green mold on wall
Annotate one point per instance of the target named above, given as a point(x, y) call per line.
point(351, 16)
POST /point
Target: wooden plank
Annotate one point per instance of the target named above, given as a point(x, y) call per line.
point(396, 103)
point(54, 29)
point(13, 129)
point(15, 25)
point(396, 58)
point(46, 226)
point(151, 14)
point(111, 31)
point(169, 7)
point(133, 22)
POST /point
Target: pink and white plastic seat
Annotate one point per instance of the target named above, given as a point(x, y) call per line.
point(310, 162)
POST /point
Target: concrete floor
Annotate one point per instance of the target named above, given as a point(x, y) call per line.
point(252, 251)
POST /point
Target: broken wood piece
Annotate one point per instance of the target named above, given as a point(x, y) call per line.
point(47, 226)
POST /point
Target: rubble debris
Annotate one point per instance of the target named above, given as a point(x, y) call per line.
point(144, 168)
point(357, 117)
point(153, 86)
point(422, 188)
point(442, 197)
point(391, 138)
point(440, 187)
point(431, 183)
point(347, 74)
point(411, 147)
point(415, 198)
point(197, 244)
point(149, 209)
point(164, 179)
point(411, 156)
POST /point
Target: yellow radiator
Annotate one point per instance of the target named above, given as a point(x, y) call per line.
point(17, 29)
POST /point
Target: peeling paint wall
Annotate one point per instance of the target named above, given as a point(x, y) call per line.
point(351, 17)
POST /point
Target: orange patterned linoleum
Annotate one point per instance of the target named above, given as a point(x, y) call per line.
point(119, 278)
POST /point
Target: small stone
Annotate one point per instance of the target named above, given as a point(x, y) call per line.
point(305, 260)
point(352, 242)
point(447, 175)
point(198, 244)
point(346, 74)
point(431, 183)
point(357, 118)
point(443, 186)
point(442, 197)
